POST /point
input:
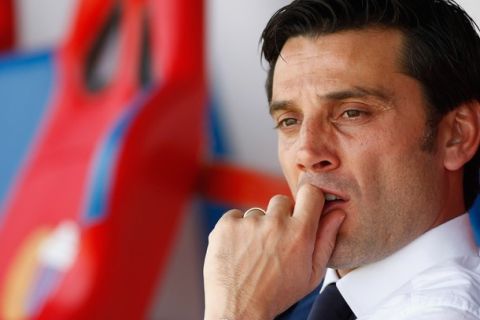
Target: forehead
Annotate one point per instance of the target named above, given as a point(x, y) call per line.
point(368, 57)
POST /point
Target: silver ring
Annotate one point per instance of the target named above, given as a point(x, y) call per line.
point(251, 210)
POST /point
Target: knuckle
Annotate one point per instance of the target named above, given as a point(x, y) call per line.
point(282, 199)
point(275, 225)
point(222, 224)
point(230, 214)
point(226, 225)
point(211, 236)
point(277, 222)
point(215, 232)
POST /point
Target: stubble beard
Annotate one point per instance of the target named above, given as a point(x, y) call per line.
point(371, 241)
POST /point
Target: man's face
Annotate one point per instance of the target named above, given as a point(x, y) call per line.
point(351, 123)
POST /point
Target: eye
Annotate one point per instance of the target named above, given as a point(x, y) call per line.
point(352, 113)
point(287, 122)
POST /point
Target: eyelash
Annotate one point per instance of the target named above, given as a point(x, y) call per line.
point(282, 123)
point(357, 114)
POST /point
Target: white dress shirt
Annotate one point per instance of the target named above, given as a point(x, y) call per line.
point(435, 277)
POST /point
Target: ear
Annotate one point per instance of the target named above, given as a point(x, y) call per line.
point(462, 135)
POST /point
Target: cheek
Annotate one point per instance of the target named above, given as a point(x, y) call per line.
point(395, 179)
point(286, 156)
point(363, 155)
point(370, 162)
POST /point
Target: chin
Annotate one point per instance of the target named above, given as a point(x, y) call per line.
point(341, 261)
point(342, 264)
point(347, 254)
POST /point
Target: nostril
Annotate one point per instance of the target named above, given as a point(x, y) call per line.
point(319, 159)
point(301, 166)
point(323, 164)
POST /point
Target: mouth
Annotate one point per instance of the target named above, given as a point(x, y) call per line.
point(332, 197)
point(332, 202)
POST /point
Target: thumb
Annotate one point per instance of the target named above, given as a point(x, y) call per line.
point(324, 244)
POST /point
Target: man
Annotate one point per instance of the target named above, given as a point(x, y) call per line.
point(376, 104)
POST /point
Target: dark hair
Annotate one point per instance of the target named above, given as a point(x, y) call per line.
point(441, 49)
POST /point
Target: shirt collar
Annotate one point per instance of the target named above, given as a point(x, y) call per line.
point(330, 277)
point(365, 287)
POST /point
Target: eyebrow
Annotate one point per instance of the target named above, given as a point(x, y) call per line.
point(355, 92)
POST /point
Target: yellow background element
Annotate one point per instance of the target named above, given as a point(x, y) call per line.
point(21, 276)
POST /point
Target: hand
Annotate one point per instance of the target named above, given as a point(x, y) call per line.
point(258, 266)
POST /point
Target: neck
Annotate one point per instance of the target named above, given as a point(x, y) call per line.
point(343, 272)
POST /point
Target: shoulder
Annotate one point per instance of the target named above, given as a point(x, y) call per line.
point(450, 290)
point(457, 277)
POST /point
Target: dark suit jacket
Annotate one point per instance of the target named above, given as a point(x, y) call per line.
point(301, 309)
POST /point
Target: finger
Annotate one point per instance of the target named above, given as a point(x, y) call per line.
point(225, 222)
point(309, 202)
point(280, 205)
point(233, 213)
point(327, 232)
point(254, 212)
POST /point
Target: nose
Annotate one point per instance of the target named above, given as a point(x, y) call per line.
point(316, 150)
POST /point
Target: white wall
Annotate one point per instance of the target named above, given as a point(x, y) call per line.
point(238, 78)
point(41, 24)
point(472, 7)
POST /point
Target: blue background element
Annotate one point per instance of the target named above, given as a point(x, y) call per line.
point(26, 83)
point(475, 219)
point(105, 162)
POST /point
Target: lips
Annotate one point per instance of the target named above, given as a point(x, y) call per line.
point(331, 188)
point(333, 201)
point(333, 205)
point(332, 197)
